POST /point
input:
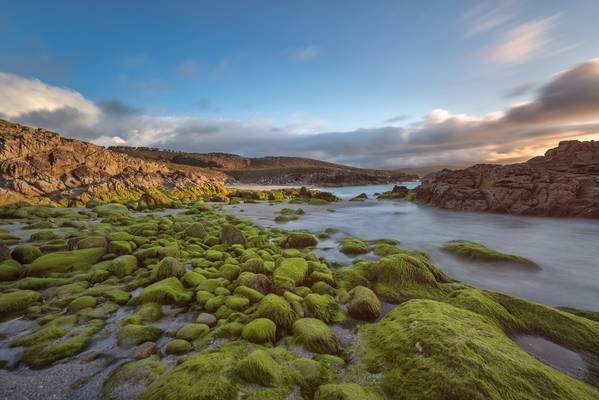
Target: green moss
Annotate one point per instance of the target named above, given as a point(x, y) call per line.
point(230, 271)
point(17, 302)
point(149, 312)
point(10, 270)
point(168, 267)
point(252, 295)
point(120, 247)
point(363, 304)
point(315, 336)
point(178, 346)
point(230, 235)
point(237, 303)
point(277, 310)
point(402, 276)
point(192, 279)
point(292, 272)
point(300, 240)
point(310, 374)
point(26, 253)
point(345, 391)
point(255, 265)
point(259, 367)
point(107, 210)
point(323, 307)
point(130, 376)
point(463, 354)
point(64, 261)
point(82, 302)
point(123, 266)
point(196, 230)
point(91, 242)
point(214, 303)
point(478, 252)
point(352, 246)
point(157, 252)
point(191, 332)
point(167, 291)
point(42, 236)
point(260, 330)
point(133, 334)
point(200, 377)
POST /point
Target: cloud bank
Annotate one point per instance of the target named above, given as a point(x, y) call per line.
point(567, 106)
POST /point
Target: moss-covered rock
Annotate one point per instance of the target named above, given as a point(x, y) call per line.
point(323, 307)
point(120, 247)
point(277, 309)
point(311, 374)
point(64, 261)
point(230, 235)
point(123, 266)
point(167, 291)
point(82, 302)
point(292, 272)
point(259, 367)
point(315, 336)
point(14, 303)
point(178, 347)
point(10, 270)
point(364, 304)
point(196, 230)
point(131, 378)
point(464, 356)
point(149, 312)
point(168, 267)
point(134, 334)
point(260, 330)
point(191, 332)
point(237, 303)
point(478, 252)
point(353, 246)
point(91, 242)
point(26, 253)
point(300, 240)
point(345, 391)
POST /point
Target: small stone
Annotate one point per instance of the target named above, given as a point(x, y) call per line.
point(206, 318)
point(144, 350)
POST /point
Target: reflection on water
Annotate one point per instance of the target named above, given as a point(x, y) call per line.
point(565, 249)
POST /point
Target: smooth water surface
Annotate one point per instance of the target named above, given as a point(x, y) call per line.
point(567, 250)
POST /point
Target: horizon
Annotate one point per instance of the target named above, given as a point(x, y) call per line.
point(362, 86)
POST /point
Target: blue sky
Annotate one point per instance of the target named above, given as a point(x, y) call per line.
point(303, 67)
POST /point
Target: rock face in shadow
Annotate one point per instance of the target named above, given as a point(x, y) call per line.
point(562, 183)
point(39, 165)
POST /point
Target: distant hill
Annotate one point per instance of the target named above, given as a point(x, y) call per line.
point(272, 170)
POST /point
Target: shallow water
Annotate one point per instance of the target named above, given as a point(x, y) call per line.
point(553, 354)
point(565, 249)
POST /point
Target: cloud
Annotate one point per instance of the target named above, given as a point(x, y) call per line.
point(307, 53)
point(523, 42)
point(487, 16)
point(396, 119)
point(520, 89)
point(116, 108)
point(188, 70)
point(566, 106)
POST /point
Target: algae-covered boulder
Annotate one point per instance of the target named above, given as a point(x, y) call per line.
point(64, 261)
point(92, 241)
point(123, 266)
point(351, 246)
point(196, 230)
point(203, 376)
point(230, 235)
point(192, 331)
point(360, 197)
point(167, 291)
point(178, 346)
point(363, 304)
point(323, 307)
point(315, 336)
point(120, 247)
point(344, 391)
point(82, 302)
point(14, 303)
point(277, 309)
point(157, 252)
point(10, 270)
point(130, 379)
point(260, 330)
point(425, 349)
point(300, 240)
point(259, 367)
point(168, 267)
point(26, 253)
point(134, 334)
point(108, 210)
point(291, 272)
point(311, 374)
point(478, 252)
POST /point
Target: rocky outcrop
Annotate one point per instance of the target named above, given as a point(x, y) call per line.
point(41, 166)
point(562, 183)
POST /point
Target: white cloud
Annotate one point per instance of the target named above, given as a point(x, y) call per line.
point(19, 96)
point(523, 42)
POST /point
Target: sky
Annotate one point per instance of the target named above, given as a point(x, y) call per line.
point(376, 84)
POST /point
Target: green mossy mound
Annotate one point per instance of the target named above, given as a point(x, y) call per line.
point(260, 330)
point(10, 270)
point(91, 242)
point(230, 235)
point(426, 349)
point(276, 309)
point(345, 391)
point(82, 302)
point(65, 261)
point(292, 272)
point(191, 332)
point(323, 307)
point(259, 367)
point(351, 246)
point(123, 266)
point(310, 375)
point(109, 210)
point(167, 268)
point(17, 302)
point(478, 252)
point(130, 378)
point(26, 253)
point(315, 336)
point(167, 291)
point(133, 334)
point(178, 347)
point(363, 304)
point(300, 240)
